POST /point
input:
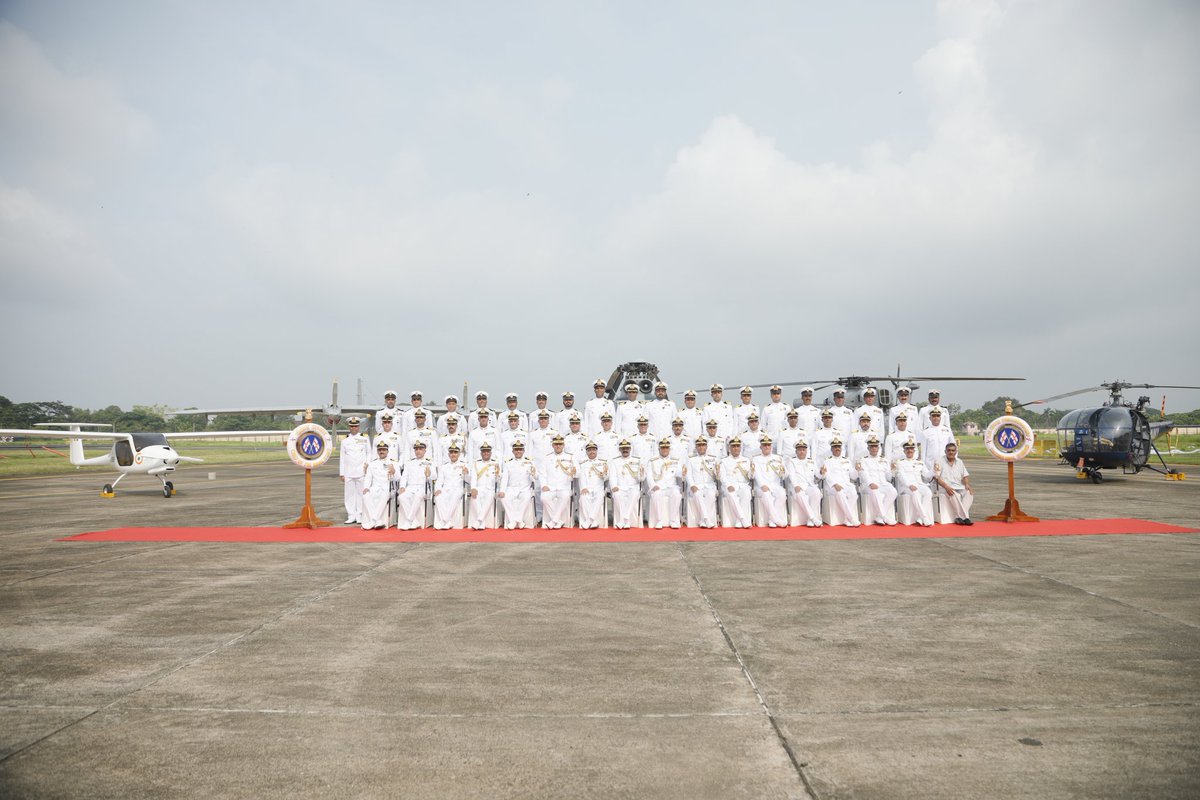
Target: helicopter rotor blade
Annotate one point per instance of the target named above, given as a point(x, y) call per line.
point(1060, 396)
point(1159, 386)
point(952, 378)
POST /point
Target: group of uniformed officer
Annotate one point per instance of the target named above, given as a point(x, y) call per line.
point(657, 463)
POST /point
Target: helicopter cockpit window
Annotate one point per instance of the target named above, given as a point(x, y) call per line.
point(1116, 429)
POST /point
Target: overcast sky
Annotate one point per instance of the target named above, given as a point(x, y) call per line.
point(222, 204)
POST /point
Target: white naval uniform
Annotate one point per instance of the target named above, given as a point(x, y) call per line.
point(532, 424)
point(394, 411)
point(625, 420)
point(936, 440)
point(880, 501)
point(774, 417)
point(893, 448)
point(702, 491)
point(392, 440)
point(682, 447)
point(843, 420)
point(735, 475)
point(607, 444)
point(407, 419)
point(785, 442)
point(562, 419)
point(661, 412)
point(722, 412)
point(445, 442)
point(665, 477)
point(448, 494)
point(625, 476)
point(575, 445)
point(592, 411)
point(410, 501)
point(718, 447)
point(751, 441)
point(473, 419)
point(509, 436)
point(522, 418)
point(557, 473)
point(517, 480)
point(477, 437)
point(442, 428)
point(857, 449)
point(809, 417)
point(910, 411)
point(837, 471)
point(769, 473)
point(925, 421)
point(593, 477)
point(912, 481)
point(806, 495)
point(377, 490)
point(541, 445)
point(953, 474)
point(426, 435)
point(693, 422)
point(877, 419)
point(644, 446)
point(818, 443)
point(483, 477)
point(353, 455)
point(741, 414)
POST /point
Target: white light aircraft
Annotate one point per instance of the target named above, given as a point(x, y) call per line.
point(131, 453)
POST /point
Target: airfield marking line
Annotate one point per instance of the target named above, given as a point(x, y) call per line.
point(1048, 579)
point(295, 608)
point(762, 701)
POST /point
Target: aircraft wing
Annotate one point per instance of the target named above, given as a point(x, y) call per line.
point(316, 409)
point(60, 434)
point(224, 434)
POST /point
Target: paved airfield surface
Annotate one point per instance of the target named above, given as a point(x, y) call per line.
point(1042, 667)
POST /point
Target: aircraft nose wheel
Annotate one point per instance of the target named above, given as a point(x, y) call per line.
point(1096, 476)
point(168, 488)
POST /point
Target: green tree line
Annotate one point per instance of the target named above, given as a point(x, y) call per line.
point(136, 420)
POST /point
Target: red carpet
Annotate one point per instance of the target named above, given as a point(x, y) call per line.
point(1070, 527)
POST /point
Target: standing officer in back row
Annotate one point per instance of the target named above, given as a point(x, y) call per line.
point(594, 408)
point(719, 410)
point(353, 455)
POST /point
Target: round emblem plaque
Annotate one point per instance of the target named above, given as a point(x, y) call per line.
point(1008, 438)
point(309, 445)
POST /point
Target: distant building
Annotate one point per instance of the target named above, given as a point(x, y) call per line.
point(971, 429)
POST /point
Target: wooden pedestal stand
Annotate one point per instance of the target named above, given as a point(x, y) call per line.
point(1012, 509)
point(308, 517)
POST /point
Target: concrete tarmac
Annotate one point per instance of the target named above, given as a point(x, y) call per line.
point(1040, 667)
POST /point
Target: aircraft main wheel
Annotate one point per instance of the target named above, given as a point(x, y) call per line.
point(1096, 476)
point(107, 489)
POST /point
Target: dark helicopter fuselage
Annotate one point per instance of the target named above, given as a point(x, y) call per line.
point(1106, 437)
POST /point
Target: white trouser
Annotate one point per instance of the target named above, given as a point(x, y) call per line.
point(774, 506)
point(881, 503)
point(735, 505)
point(353, 495)
point(626, 511)
point(703, 504)
point(516, 504)
point(846, 501)
point(920, 504)
point(556, 508)
point(591, 508)
point(806, 506)
point(959, 502)
point(410, 508)
point(664, 507)
point(375, 506)
point(483, 508)
point(447, 509)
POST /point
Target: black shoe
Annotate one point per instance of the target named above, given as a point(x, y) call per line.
point(967, 521)
point(958, 521)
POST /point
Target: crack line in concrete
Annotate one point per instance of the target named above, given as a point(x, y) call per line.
point(762, 701)
point(1047, 578)
point(95, 563)
point(295, 608)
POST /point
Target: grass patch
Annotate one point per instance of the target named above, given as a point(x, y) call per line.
point(17, 461)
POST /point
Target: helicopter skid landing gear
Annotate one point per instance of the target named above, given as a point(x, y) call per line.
point(110, 489)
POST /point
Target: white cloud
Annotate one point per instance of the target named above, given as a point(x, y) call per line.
point(66, 125)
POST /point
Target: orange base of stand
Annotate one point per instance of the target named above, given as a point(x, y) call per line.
point(1012, 513)
point(308, 518)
